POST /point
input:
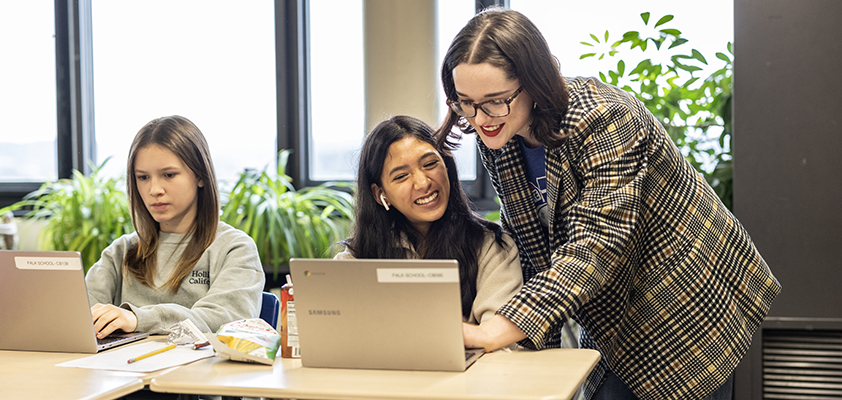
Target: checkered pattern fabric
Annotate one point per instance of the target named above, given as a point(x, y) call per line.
point(639, 250)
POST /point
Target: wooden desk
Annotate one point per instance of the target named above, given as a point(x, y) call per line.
point(33, 375)
point(546, 374)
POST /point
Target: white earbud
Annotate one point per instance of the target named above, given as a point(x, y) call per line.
point(383, 201)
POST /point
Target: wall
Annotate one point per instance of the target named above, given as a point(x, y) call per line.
point(400, 60)
point(788, 173)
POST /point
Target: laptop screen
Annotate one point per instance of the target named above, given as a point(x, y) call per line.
point(45, 302)
point(382, 314)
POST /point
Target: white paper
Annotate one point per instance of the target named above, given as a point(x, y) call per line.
point(117, 359)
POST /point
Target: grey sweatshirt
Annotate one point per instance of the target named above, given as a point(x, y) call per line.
point(224, 286)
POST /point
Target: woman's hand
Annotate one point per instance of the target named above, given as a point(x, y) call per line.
point(108, 318)
point(492, 334)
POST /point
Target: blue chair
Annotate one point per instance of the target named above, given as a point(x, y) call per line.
point(270, 309)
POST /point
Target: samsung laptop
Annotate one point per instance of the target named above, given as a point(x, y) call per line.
point(44, 304)
point(380, 314)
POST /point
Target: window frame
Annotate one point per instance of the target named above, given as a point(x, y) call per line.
point(73, 77)
point(480, 190)
point(75, 135)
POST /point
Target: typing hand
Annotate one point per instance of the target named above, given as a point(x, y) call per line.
point(472, 335)
point(492, 334)
point(108, 318)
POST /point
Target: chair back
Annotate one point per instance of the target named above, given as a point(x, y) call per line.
point(270, 309)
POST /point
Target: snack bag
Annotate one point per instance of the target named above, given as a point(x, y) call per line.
point(248, 340)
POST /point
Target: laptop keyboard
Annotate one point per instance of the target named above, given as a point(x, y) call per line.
point(109, 339)
point(471, 355)
point(116, 339)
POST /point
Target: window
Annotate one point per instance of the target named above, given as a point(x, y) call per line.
point(27, 92)
point(337, 89)
point(210, 61)
point(338, 102)
point(452, 16)
point(214, 62)
point(709, 26)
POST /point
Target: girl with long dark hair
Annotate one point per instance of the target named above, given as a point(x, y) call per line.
point(410, 204)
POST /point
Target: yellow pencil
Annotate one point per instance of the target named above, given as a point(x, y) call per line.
point(152, 353)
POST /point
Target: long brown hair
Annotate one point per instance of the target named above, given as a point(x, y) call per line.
point(180, 136)
point(508, 40)
point(458, 234)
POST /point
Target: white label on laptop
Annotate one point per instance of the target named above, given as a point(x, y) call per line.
point(417, 275)
point(70, 263)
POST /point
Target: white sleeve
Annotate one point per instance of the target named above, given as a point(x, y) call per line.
point(499, 277)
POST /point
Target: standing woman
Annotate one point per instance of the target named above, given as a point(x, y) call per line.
point(410, 204)
point(182, 262)
point(615, 229)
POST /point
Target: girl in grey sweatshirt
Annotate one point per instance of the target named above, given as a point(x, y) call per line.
point(182, 262)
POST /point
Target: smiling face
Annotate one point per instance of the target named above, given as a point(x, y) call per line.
point(415, 182)
point(482, 82)
point(168, 187)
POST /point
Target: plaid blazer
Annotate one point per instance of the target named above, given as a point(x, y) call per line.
point(639, 251)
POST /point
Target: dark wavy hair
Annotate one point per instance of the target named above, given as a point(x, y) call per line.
point(457, 235)
point(508, 40)
point(180, 136)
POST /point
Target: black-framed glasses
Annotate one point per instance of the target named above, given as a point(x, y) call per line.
point(494, 108)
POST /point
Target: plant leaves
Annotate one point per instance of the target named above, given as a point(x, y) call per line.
point(677, 42)
point(83, 213)
point(699, 56)
point(285, 222)
point(689, 68)
point(664, 20)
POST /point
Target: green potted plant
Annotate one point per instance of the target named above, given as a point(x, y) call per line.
point(285, 222)
point(696, 111)
point(83, 213)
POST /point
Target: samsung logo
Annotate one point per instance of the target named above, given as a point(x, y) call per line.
point(324, 312)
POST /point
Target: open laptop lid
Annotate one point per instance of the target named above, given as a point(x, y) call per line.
point(44, 302)
point(379, 314)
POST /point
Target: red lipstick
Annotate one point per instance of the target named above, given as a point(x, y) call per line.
point(492, 133)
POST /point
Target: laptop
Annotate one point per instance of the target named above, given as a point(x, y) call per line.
point(380, 314)
point(44, 304)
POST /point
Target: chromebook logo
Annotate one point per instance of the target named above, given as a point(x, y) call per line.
point(306, 273)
